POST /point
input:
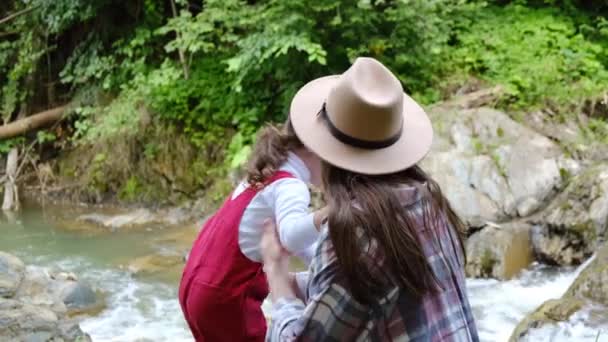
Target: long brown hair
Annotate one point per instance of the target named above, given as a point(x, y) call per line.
point(381, 215)
point(272, 145)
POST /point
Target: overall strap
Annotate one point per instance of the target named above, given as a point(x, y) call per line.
point(277, 176)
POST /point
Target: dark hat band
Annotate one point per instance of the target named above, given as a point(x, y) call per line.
point(356, 142)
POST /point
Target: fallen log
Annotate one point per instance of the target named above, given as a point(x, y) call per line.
point(31, 123)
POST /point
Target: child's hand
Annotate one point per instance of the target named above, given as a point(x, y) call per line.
point(274, 256)
point(276, 264)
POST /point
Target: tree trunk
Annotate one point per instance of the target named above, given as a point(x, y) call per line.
point(30, 123)
point(11, 193)
point(180, 51)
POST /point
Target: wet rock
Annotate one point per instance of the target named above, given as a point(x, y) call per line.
point(592, 283)
point(589, 292)
point(157, 265)
point(499, 251)
point(569, 228)
point(79, 297)
point(11, 274)
point(35, 311)
point(552, 311)
point(492, 168)
point(137, 218)
point(60, 291)
point(25, 322)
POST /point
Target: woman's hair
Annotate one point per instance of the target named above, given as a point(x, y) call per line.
point(382, 216)
point(272, 145)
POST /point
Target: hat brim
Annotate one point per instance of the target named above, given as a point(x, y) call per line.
point(312, 130)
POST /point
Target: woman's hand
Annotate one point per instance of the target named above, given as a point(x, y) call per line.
point(276, 263)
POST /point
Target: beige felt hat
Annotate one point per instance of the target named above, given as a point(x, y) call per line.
point(364, 121)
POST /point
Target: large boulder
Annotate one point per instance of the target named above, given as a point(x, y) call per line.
point(499, 251)
point(492, 168)
point(11, 274)
point(569, 229)
point(37, 309)
point(588, 293)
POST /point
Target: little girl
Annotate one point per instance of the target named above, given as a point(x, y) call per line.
point(223, 284)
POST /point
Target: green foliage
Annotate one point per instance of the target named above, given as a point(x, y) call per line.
point(44, 137)
point(7, 145)
point(120, 117)
point(216, 70)
point(130, 190)
point(238, 150)
point(537, 54)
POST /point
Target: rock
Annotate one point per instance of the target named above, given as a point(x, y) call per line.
point(38, 307)
point(499, 251)
point(492, 168)
point(165, 266)
point(569, 228)
point(60, 291)
point(137, 218)
point(592, 283)
point(588, 292)
point(25, 322)
point(451, 171)
point(37, 289)
point(551, 311)
point(79, 297)
point(11, 274)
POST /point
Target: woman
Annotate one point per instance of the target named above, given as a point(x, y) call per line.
point(390, 260)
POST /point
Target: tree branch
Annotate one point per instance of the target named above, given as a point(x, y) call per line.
point(16, 14)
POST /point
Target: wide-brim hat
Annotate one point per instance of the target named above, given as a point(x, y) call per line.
point(362, 120)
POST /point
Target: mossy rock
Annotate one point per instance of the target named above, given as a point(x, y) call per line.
point(551, 311)
point(570, 228)
point(589, 290)
point(592, 283)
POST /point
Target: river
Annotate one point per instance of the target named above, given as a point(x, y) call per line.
point(144, 308)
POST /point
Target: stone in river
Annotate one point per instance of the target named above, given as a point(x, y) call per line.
point(11, 274)
point(499, 251)
point(589, 291)
point(569, 229)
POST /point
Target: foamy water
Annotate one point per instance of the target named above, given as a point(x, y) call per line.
point(139, 310)
point(575, 329)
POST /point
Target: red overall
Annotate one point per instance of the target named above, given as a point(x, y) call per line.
point(221, 290)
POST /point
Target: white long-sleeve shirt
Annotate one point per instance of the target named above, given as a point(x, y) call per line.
point(286, 201)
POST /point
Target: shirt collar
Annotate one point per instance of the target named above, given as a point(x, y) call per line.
point(296, 166)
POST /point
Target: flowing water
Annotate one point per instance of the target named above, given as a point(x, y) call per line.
point(146, 308)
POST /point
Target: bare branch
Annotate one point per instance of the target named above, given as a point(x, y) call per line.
point(16, 15)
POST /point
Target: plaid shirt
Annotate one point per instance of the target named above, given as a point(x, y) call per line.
point(332, 314)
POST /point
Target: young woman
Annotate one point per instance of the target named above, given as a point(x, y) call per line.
point(390, 261)
point(223, 284)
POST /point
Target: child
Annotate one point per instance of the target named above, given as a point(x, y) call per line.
point(223, 284)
